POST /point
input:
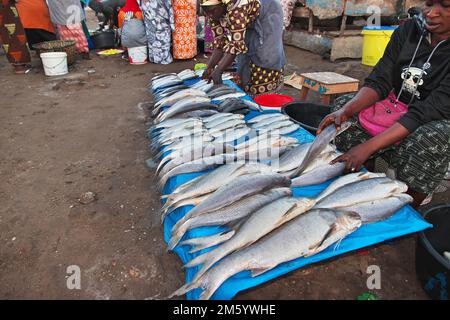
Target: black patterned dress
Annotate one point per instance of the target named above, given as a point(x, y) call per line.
point(420, 160)
point(229, 34)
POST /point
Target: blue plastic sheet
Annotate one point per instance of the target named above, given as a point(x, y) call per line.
point(404, 222)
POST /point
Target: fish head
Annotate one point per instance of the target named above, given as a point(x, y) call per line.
point(405, 198)
point(401, 187)
point(348, 221)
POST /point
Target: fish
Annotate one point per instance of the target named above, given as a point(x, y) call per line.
point(252, 105)
point(220, 92)
point(206, 87)
point(191, 141)
point(238, 188)
point(379, 210)
point(288, 129)
point(175, 123)
point(347, 179)
point(216, 122)
point(319, 175)
point(163, 76)
point(169, 91)
point(216, 117)
point(213, 180)
point(268, 121)
point(188, 104)
point(322, 159)
point(266, 116)
point(229, 95)
point(229, 124)
point(198, 244)
point(271, 149)
point(319, 144)
point(182, 203)
point(166, 83)
point(180, 95)
point(232, 135)
point(291, 159)
point(306, 235)
point(197, 166)
point(235, 211)
point(362, 191)
point(258, 224)
point(190, 154)
point(196, 113)
point(274, 126)
point(255, 140)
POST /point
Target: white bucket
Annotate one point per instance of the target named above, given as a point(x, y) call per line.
point(55, 63)
point(138, 55)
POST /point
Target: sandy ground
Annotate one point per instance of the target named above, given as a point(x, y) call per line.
point(63, 137)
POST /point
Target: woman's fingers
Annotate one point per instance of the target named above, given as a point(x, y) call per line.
point(325, 123)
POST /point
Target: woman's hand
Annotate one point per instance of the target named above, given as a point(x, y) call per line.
point(355, 157)
point(207, 74)
point(336, 118)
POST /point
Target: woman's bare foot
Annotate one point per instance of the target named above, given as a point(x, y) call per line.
point(86, 56)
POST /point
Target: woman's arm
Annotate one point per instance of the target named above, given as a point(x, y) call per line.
point(363, 99)
point(357, 156)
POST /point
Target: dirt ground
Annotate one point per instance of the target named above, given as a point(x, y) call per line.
point(63, 137)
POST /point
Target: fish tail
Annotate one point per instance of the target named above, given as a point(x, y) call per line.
point(186, 288)
point(207, 242)
point(177, 235)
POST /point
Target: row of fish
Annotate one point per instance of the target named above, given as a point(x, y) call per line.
point(272, 227)
point(248, 192)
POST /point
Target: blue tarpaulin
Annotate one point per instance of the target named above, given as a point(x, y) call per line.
point(404, 222)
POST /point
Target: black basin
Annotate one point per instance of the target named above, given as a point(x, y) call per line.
point(432, 268)
point(308, 115)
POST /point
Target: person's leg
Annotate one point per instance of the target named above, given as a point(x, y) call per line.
point(421, 160)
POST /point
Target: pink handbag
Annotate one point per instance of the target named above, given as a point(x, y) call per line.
point(382, 115)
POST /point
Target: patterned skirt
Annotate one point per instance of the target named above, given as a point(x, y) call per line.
point(185, 34)
point(12, 34)
point(74, 32)
point(420, 160)
point(264, 81)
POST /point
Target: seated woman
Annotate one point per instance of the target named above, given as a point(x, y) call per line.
point(131, 10)
point(255, 39)
point(404, 107)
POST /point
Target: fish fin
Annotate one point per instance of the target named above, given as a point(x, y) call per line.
point(236, 224)
point(177, 235)
point(260, 271)
point(207, 242)
point(321, 245)
point(185, 289)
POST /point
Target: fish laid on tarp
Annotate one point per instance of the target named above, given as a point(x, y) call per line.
point(218, 121)
point(266, 116)
point(362, 191)
point(291, 159)
point(228, 96)
point(180, 95)
point(198, 244)
point(238, 188)
point(231, 135)
point(305, 235)
point(319, 144)
point(182, 203)
point(196, 113)
point(347, 179)
point(379, 210)
point(213, 180)
point(258, 224)
point(198, 165)
point(288, 129)
point(235, 211)
point(319, 175)
point(187, 104)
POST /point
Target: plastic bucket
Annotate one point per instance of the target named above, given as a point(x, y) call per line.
point(375, 42)
point(55, 63)
point(137, 55)
point(273, 101)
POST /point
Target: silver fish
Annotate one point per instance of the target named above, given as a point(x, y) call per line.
point(264, 117)
point(229, 95)
point(362, 191)
point(291, 159)
point(260, 223)
point(347, 179)
point(306, 235)
point(230, 116)
point(320, 143)
point(180, 95)
point(197, 166)
point(288, 129)
point(232, 135)
point(235, 190)
point(183, 203)
point(268, 121)
point(188, 104)
point(229, 124)
point(278, 125)
point(378, 210)
point(319, 175)
point(198, 244)
point(235, 211)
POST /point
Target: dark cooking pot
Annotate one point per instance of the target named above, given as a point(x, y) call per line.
point(104, 39)
point(308, 115)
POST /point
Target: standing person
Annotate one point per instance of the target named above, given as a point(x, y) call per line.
point(185, 33)
point(12, 36)
point(402, 113)
point(36, 21)
point(159, 24)
point(68, 15)
point(254, 37)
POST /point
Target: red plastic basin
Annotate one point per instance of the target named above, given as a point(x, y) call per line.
point(273, 100)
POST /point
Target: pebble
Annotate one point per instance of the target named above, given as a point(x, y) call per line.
point(87, 197)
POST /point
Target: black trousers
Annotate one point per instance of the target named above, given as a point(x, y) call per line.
point(35, 36)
